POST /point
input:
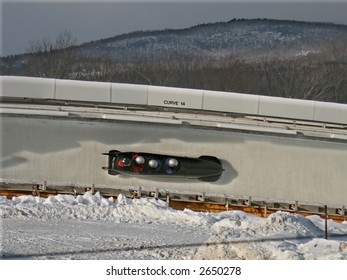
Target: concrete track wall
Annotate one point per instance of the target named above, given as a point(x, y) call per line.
point(169, 97)
point(68, 151)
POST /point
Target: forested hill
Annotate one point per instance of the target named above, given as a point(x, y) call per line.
point(306, 60)
point(241, 37)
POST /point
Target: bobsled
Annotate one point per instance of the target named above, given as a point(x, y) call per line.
point(204, 168)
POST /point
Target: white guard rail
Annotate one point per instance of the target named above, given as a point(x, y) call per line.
point(226, 102)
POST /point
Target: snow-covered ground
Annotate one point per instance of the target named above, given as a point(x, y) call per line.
point(92, 227)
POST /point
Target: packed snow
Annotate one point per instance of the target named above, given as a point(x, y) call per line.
point(90, 226)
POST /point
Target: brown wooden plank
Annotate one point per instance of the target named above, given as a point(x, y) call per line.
point(196, 206)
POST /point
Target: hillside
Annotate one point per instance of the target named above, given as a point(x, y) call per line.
point(292, 59)
point(216, 40)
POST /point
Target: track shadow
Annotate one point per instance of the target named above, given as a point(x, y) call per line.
point(229, 174)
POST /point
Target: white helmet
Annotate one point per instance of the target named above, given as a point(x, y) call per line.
point(153, 163)
point(172, 162)
point(140, 160)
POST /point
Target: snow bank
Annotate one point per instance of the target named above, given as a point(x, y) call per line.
point(96, 207)
point(287, 222)
point(233, 234)
point(281, 236)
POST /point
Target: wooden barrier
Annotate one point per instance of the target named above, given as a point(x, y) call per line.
point(197, 206)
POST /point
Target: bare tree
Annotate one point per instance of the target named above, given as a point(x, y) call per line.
point(338, 51)
point(52, 59)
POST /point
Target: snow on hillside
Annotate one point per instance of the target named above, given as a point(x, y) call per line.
point(91, 227)
point(242, 37)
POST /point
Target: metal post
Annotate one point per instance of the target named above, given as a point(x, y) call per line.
point(74, 191)
point(44, 186)
point(249, 201)
point(326, 221)
point(265, 210)
point(203, 197)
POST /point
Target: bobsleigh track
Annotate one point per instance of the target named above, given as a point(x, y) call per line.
point(58, 140)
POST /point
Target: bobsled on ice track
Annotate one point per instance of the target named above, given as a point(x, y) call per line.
point(204, 168)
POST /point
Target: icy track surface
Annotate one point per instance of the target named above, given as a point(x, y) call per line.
point(92, 227)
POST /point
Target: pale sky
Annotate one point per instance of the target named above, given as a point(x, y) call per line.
point(24, 21)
